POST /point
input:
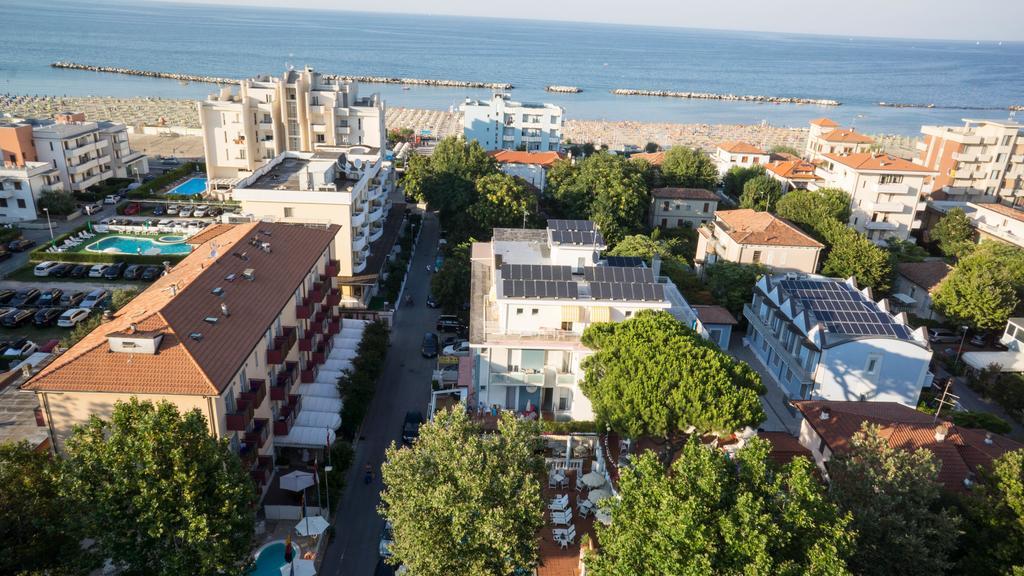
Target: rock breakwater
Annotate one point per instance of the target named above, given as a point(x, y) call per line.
point(726, 97)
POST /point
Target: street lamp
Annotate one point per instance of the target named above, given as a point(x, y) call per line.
point(960, 349)
point(49, 224)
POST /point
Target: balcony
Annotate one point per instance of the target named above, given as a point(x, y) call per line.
point(263, 471)
point(881, 225)
point(333, 298)
point(333, 268)
point(518, 378)
point(334, 326)
point(304, 311)
point(238, 421)
point(376, 230)
point(282, 344)
point(893, 207)
point(283, 383)
point(257, 437)
point(359, 242)
point(286, 417)
point(892, 188)
point(359, 263)
point(316, 293)
point(308, 343)
point(358, 218)
point(793, 363)
point(309, 374)
point(256, 394)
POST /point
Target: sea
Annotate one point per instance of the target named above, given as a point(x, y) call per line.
point(963, 79)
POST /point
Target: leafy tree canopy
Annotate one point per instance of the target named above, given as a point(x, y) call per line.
point(161, 495)
point(450, 285)
point(503, 202)
point(688, 168)
point(852, 254)
point(58, 203)
point(761, 193)
point(603, 188)
point(462, 502)
point(905, 250)
point(811, 208)
point(651, 147)
point(447, 179)
point(983, 291)
point(992, 540)
point(711, 515)
point(737, 176)
point(732, 283)
point(783, 149)
point(953, 233)
point(652, 375)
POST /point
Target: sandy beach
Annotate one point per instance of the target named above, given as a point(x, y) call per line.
point(138, 112)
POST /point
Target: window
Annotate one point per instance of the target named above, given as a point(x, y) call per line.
point(289, 212)
point(757, 257)
point(17, 185)
point(664, 205)
point(3, 203)
point(565, 400)
point(664, 222)
point(874, 364)
point(21, 203)
point(567, 326)
point(320, 138)
point(534, 311)
point(519, 311)
point(743, 159)
point(707, 205)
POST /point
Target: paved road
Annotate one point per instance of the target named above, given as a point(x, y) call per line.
point(404, 385)
point(19, 259)
point(779, 417)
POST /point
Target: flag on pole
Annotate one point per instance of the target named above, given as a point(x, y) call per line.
point(316, 475)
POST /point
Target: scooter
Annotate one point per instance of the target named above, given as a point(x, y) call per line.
point(368, 475)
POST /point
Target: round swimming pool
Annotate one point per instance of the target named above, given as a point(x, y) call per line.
point(132, 245)
point(270, 558)
point(170, 239)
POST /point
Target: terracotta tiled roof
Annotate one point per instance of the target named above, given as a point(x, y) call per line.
point(712, 314)
point(747, 226)
point(959, 454)
point(209, 233)
point(846, 135)
point(785, 447)
point(741, 148)
point(1005, 210)
point(518, 157)
point(824, 122)
point(654, 158)
point(927, 275)
point(868, 162)
point(182, 365)
point(684, 194)
point(793, 170)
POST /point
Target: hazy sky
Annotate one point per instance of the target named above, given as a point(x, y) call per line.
point(960, 19)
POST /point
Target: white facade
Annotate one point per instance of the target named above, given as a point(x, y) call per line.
point(817, 350)
point(827, 137)
point(20, 187)
point(503, 124)
point(243, 129)
point(732, 154)
point(86, 153)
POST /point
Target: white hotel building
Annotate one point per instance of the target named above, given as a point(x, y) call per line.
point(533, 293)
point(21, 185)
point(503, 124)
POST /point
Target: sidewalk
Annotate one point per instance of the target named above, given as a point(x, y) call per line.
point(779, 415)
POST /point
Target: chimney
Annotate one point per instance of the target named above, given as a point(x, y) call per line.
point(940, 433)
point(988, 438)
point(656, 266)
point(132, 328)
point(825, 414)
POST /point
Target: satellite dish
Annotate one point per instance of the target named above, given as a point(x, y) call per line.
point(357, 163)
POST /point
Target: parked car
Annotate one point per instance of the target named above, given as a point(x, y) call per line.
point(4, 312)
point(72, 317)
point(113, 272)
point(92, 208)
point(4, 253)
point(98, 270)
point(16, 318)
point(431, 301)
point(460, 349)
point(942, 335)
point(132, 209)
point(979, 339)
point(133, 272)
point(200, 210)
point(24, 297)
point(20, 245)
point(429, 347)
point(112, 199)
point(411, 427)
point(170, 160)
point(448, 374)
point(61, 270)
point(95, 298)
point(151, 273)
point(185, 211)
point(50, 297)
point(6, 294)
point(22, 347)
point(46, 316)
point(451, 341)
point(79, 271)
point(159, 210)
point(386, 538)
point(172, 210)
point(72, 299)
point(448, 323)
point(214, 211)
point(44, 268)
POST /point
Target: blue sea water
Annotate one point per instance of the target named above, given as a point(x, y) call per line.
point(244, 41)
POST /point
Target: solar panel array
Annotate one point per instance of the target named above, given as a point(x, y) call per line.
point(536, 272)
point(548, 289)
point(631, 292)
point(614, 274)
point(624, 261)
point(844, 310)
point(575, 232)
point(571, 225)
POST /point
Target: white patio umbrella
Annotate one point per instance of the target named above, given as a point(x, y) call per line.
point(592, 479)
point(312, 526)
point(296, 481)
point(603, 516)
point(597, 495)
point(299, 567)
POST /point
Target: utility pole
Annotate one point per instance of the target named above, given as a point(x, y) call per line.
point(944, 400)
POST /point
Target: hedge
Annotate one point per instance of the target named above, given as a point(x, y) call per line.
point(983, 420)
point(571, 427)
point(150, 189)
point(358, 385)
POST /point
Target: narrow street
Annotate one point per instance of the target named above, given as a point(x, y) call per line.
point(404, 385)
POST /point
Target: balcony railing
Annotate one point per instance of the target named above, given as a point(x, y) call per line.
point(309, 374)
point(283, 383)
point(333, 298)
point(333, 268)
point(316, 293)
point(303, 311)
point(257, 437)
point(238, 421)
point(256, 394)
point(306, 344)
point(282, 344)
point(262, 473)
point(286, 417)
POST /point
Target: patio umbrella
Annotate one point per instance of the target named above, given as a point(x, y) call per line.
point(296, 481)
point(311, 526)
point(597, 495)
point(603, 516)
point(592, 479)
point(299, 568)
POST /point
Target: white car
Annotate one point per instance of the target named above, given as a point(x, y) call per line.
point(72, 317)
point(112, 199)
point(97, 270)
point(44, 268)
point(200, 211)
point(165, 223)
point(172, 210)
point(386, 538)
point(22, 349)
point(93, 208)
point(460, 349)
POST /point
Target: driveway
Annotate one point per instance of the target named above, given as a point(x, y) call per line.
point(403, 386)
point(780, 417)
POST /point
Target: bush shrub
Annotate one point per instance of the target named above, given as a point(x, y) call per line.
point(571, 427)
point(357, 385)
point(983, 420)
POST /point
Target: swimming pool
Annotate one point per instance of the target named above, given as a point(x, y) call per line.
point(130, 245)
point(190, 187)
point(270, 558)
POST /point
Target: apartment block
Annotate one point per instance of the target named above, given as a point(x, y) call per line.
point(530, 166)
point(681, 207)
point(246, 127)
point(823, 339)
point(793, 173)
point(729, 155)
point(983, 160)
point(244, 329)
point(887, 193)
point(533, 293)
point(747, 236)
point(991, 221)
point(20, 187)
point(827, 137)
point(504, 124)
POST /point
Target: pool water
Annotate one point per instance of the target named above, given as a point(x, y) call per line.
point(144, 246)
point(270, 558)
point(190, 187)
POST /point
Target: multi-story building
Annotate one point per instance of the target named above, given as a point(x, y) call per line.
point(750, 237)
point(503, 124)
point(886, 193)
point(915, 283)
point(244, 329)
point(732, 154)
point(822, 338)
point(533, 293)
point(243, 129)
point(681, 207)
point(793, 174)
point(530, 166)
point(20, 187)
point(991, 221)
point(981, 160)
point(826, 137)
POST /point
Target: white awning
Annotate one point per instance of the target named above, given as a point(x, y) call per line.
point(342, 341)
point(1009, 361)
point(305, 437)
point(320, 404)
point(336, 365)
point(318, 420)
point(319, 390)
point(904, 299)
point(325, 375)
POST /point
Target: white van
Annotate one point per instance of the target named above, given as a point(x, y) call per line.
point(44, 268)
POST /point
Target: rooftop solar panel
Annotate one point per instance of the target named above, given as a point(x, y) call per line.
point(624, 261)
point(843, 310)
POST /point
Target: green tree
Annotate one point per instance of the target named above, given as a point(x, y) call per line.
point(651, 375)
point(689, 168)
point(604, 188)
point(893, 495)
point(953, 233)
point(462, 502)
point(570, 201)
point(39, 528)
point(450, 284)
point(732, 284)
point(161, 496)
point(761, 193)
point(711, 515)
point(992, 541)
point(811, 208)
point(58, 203)
point(983, 291)
point(503, 201)
point(416, 176)
point(784, 149)
point(651, 147)
point(446, 180)
point(737, 177)
point(905, 250)
point(852, 254)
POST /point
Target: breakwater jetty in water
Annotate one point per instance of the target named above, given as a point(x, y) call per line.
point(221, 80)
point(725, 97)
point(563, 89)
point(1013, 108)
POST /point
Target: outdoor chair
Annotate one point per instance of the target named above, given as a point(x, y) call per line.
point(565, 537)
point(585, 507)
point(561, 518)
point(559, 504)
point(580, 486)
